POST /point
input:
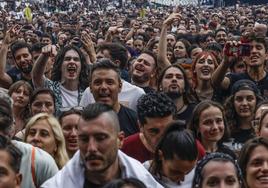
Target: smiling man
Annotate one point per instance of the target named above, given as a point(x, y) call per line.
point(98, 160)
point(144, 70)
point(105, 85)
point(255, 70)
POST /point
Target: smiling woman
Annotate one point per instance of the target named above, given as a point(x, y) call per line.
point(240, 108)
point(217, 169)
point(253, 161)
point(20, 93)
point(44, 131)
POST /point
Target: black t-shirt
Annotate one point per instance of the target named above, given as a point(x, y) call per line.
point(128, 121)
point(148, 90)
point(88, 184)
point(242, 135)
point(261, 84)
point(186, 115)
point(224, 149)
point(16, 75)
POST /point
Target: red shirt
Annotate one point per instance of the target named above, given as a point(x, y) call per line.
point(134, 148)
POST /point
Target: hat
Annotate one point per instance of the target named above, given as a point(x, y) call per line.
point(245, 84)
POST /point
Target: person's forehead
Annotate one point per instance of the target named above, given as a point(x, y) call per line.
point(104, 74)
point(22, 51)
point(146, 57)
point(102, 123)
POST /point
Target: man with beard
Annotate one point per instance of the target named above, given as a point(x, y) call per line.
point(98, 160)
point(174, 83)
point(144, 70)
point(23, 61)
point(221, 36)
point(255, 66)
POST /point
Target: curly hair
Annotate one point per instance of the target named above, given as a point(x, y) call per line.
point(56, 71)
point(154, 105)
point(231, 114)
point(61, 157)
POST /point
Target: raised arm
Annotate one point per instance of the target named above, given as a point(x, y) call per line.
point(89, 47)
point(218, 77)
point(162, 47)
point(40, 66)
point(5, 79)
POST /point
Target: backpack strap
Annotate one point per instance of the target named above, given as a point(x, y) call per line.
point(33, 165)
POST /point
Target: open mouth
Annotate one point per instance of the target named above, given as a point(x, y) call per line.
point(139, 68)
point(71, 69)
point(254, 58)
point(263, 179)
point(205, 71)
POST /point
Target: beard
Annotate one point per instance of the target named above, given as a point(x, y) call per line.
point(141, 79)
point(174, 94)
point(26, 70)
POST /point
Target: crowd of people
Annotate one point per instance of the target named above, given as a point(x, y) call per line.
point(173, 97)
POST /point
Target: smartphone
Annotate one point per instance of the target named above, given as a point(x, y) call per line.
point(16, 29)
point(242, 49)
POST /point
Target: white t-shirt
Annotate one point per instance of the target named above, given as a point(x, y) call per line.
point(69, 98)
point(128, 96)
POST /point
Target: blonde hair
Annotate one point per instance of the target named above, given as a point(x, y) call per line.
point(61, 157)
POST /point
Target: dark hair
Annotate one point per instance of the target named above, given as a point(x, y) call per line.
point(19, 45)
point(14, 153)
point(217, 157)
point(46, 35)
point(186, 82)
point(191, 48)
point(153, 105)
point(56, 71)
point(258, 38)
point(150, 53)
point(221, 29)
point(94, 110)
point(69, 112)
point(186, 43)
point(107, 64)
point(42, 91)
point(37, 47)
point(14, 87)
point(120, 183)
point(116, 51)
point(195, 118)
point(231, 115)
point(174, 140)
point(6, 115)
point(214, 46)
point(247, 150)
